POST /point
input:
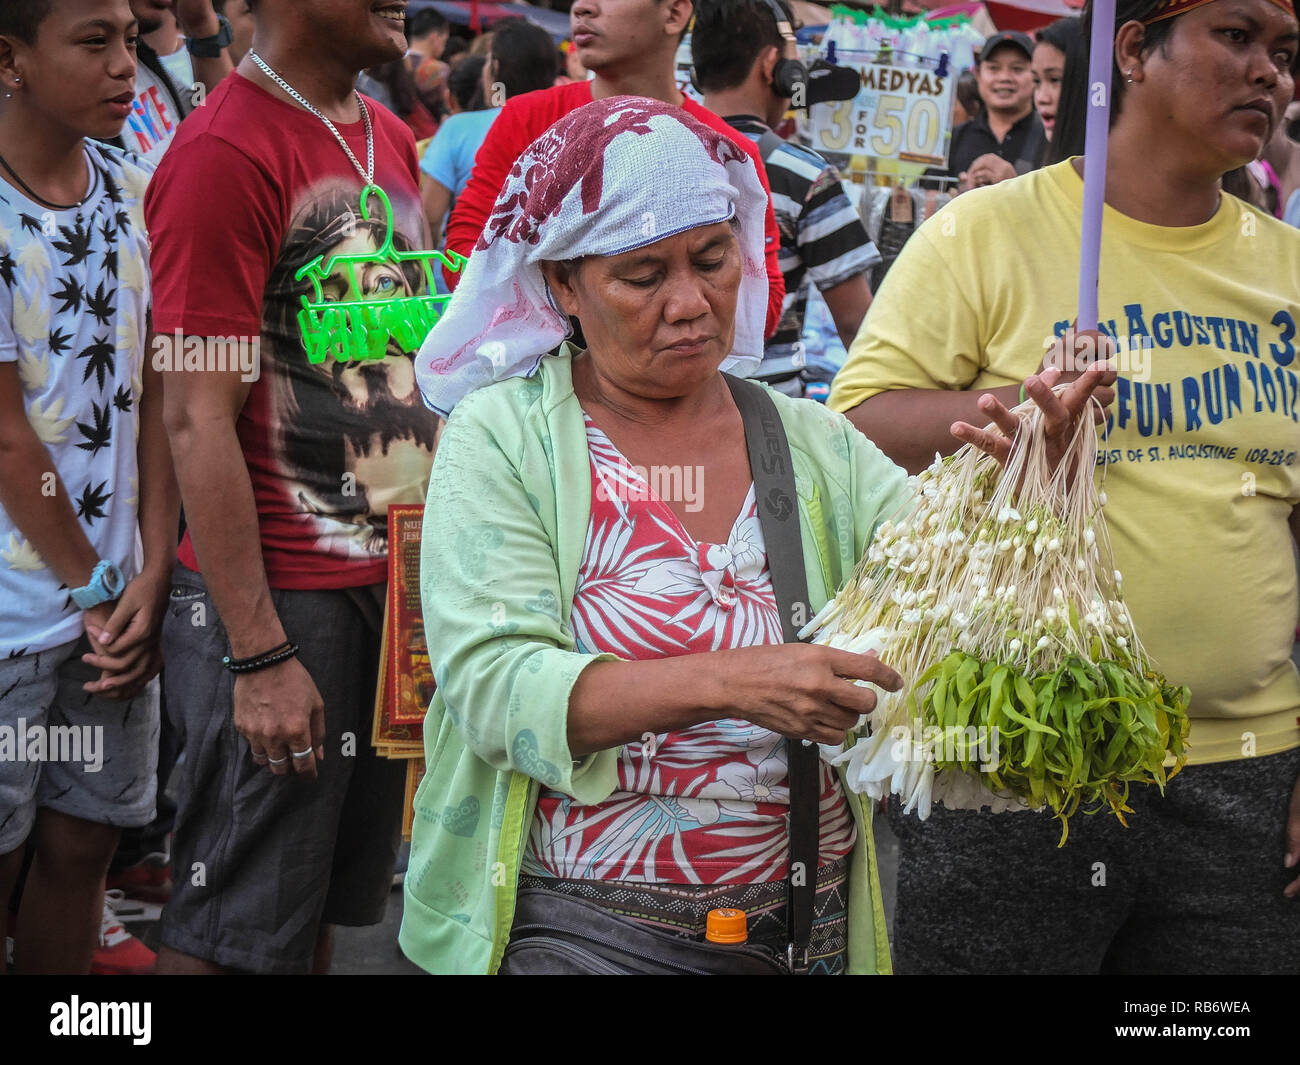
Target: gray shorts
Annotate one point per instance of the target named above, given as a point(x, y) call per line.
point(66, 750)
point(261, 861)
point(1193, 886)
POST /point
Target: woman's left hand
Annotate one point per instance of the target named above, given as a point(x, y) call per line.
point(1060, 412)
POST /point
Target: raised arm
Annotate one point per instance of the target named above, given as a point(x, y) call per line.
point(198, 20)
point(278, 709)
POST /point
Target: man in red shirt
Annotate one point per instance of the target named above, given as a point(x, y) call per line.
point(287, 463)
point(631, 46)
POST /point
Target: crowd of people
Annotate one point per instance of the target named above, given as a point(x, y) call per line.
point(218, 221)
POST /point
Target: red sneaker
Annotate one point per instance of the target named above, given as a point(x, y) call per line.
point(149, 879)
point(119, 953)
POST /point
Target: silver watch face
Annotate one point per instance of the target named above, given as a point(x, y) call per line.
point(113, 582)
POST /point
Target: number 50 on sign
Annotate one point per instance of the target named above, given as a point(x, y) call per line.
point(903, 112)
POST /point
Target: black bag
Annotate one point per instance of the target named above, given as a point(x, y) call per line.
point(558, 935)
point(555, 933)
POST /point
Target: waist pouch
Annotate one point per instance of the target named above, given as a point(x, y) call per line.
point(555, 934)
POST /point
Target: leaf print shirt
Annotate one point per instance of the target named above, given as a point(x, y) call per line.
point(707, 804)
point(74, 303)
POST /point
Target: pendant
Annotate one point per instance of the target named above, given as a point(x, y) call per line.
point(403, 306)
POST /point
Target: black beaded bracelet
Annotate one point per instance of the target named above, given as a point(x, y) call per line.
point(263, 661)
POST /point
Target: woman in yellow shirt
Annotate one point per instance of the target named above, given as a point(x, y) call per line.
point(1202, 293)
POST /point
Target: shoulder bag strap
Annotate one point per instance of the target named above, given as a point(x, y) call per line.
point(778, 513)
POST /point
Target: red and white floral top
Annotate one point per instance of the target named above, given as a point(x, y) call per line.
point(708, 804)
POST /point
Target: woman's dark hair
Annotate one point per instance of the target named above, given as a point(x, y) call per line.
point(397, 78)
point(968, 93)
point(1154, 36)
point(463, 82)
point(1067, 35)
point(524, 56)
point(1062, 34)
point(454, 47)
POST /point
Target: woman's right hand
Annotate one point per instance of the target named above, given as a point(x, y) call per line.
point(803, 691)
point(1072, 353)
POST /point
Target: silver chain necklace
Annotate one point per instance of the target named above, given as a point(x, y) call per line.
point(368, 174)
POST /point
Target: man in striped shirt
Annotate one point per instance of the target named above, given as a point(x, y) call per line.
point(736, 47)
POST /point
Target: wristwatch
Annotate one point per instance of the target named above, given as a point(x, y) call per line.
point(106, 584)
point(212, 47)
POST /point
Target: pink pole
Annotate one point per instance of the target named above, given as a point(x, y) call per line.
point(1094, 160)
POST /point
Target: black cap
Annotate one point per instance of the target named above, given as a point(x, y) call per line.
point(828, 83)
point(996, 41)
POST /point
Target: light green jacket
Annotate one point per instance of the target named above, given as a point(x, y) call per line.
point(508, 509)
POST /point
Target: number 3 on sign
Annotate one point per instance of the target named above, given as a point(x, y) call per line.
point(842, 123)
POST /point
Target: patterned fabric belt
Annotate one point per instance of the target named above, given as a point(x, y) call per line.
point(682, 909)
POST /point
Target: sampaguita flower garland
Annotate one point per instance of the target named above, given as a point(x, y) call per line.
point(996, 600)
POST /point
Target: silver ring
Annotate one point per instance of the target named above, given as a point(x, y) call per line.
point(304, 754)
point(277, 761)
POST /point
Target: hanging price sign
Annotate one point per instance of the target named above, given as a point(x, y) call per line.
point(903, 112)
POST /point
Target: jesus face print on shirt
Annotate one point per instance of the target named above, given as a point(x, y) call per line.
point(354, 435)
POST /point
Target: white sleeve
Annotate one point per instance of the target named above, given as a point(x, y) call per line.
point(8, 339)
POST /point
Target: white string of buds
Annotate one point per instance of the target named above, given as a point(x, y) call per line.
point(1008, 565)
